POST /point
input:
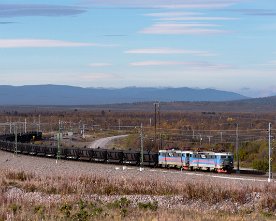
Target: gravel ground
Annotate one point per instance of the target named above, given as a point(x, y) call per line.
point(49, 167)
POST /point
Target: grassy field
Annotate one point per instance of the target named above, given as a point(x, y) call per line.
point(27, 196)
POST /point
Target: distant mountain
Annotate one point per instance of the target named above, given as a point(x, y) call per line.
point(254, 105)
point(69, 95)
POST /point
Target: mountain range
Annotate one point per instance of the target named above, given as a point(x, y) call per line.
point(69, 95)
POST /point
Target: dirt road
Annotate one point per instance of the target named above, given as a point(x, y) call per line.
point(102, 143)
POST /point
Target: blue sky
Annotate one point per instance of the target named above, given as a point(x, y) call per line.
point(222, 44)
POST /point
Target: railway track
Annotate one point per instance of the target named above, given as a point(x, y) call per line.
point(40, 152)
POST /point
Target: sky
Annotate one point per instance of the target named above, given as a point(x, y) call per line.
point(221, 44)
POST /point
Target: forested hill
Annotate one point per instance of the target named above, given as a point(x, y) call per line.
point(254, 105)
point(68, 95)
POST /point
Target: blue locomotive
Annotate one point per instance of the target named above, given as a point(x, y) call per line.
point(191, 160)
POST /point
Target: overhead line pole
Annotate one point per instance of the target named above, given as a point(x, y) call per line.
point(58, 142)
point(142, 148)
point(15, 138)
point(269, 154)
point(25, 126)
point(155, 122)
point(159, 125)
point(237, 148)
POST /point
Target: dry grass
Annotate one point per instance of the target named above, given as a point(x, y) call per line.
point(36, 197)
point(211, 193)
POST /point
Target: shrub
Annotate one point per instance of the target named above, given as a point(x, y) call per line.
point(39, 209)
point(21, 176)
point(119, 204)
point(66, 210)
point(15, 208)
point(149, 205)
point(261, 165)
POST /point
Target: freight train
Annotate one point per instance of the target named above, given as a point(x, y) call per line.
point(187, 160)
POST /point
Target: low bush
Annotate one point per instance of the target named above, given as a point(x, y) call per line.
point(149, 205)
point(261, 165)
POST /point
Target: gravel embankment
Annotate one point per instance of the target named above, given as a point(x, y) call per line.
point(49, 167)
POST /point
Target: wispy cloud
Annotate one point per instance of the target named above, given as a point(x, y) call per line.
point(270, 64)
point(194, 65)
point(95, 76)
point(194, 18)
point(157, 63)
point(6, 22)
point(255, 12)
point(185, 23)
point(168, 51)
point(44, 43)
point(172, 4)
point(199, 5)
point(21, 10)
point(115, 35)
point(99, 64)
point(172, 14)
point(180, 29)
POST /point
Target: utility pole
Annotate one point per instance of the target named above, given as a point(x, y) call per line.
point(39, 123)
point(25, 126)
point(156, 104)
point(209, 138)
point(15, 138)
point(237, 148)
point(83, 128)
point(159, 125)
point(155, 119)
point(10, 126)
point(221, 137)
point(142, 148)
point(200, 141)
point(269, 154)
point(119, 124)
point(58, 142)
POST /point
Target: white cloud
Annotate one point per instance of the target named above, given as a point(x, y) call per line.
point(172, 14)
point(156, 63)
point(189, 65)
point(194, 18)
point(180, 29)
point(198, 5)
point(271, 64)
point(44, 43)
point(258, 92)
point(168, 51)
point(100, 64)
point(172, 4)
point(95, 76)
point(64, 77)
